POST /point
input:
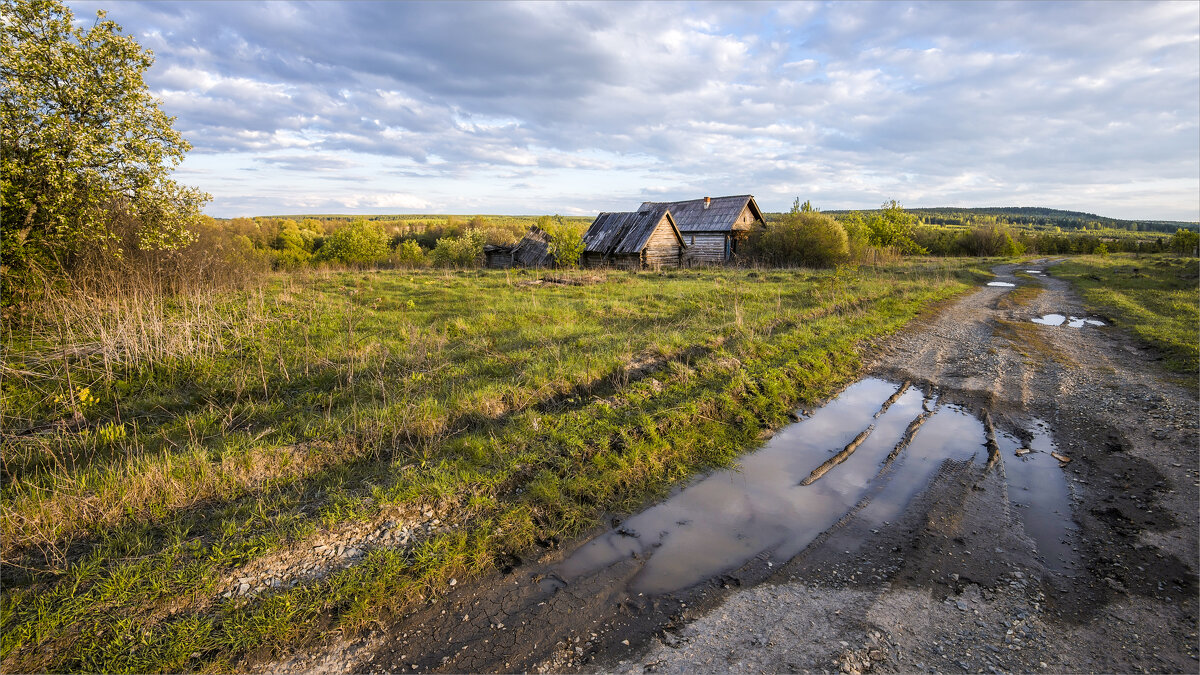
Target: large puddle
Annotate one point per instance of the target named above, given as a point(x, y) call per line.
point(899, 439)
point(1073, 322)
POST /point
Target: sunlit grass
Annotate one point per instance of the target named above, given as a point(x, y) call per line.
point(1155, 298)
point(520, 410)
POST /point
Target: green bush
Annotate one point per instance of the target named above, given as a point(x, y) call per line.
point(409, 253)
point(566, 240)
point(360, 243)
point(803, 237)
point(463, 251)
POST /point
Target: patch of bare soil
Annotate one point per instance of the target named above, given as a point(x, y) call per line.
point(955, 580)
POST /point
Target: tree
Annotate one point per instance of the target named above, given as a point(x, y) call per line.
point(1184, 242)
point(892, 227)
point(87, 152)
point(360, 243)
point(566, 241)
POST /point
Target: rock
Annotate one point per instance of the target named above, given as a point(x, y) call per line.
point(243, 588)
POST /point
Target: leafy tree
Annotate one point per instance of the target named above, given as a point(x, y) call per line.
point(1184, 242)
point(991, 239)
point(361, 243)
point(86, 151)
point(566, 241)
point(892, 227)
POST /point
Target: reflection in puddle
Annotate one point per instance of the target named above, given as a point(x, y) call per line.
point(728, 518)
point(1037, 489)
point(1033, 271)
point(1059, 319)
point(1004, 284)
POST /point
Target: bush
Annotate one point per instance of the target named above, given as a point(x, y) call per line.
point(803, 237)
point(360, 243)
point(409, 253)
point(566, 241)
point(464, 251)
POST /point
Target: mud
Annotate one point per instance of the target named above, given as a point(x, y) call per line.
point(950, 538)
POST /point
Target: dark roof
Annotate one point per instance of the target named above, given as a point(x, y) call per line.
point(534, 249)
point(625, 232)
point(720, 216)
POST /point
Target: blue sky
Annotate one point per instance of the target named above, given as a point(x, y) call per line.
point(529, 108)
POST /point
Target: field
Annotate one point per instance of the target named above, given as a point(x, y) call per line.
point(1153, 298)
point(158, 452)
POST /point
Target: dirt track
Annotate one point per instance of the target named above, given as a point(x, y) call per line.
point(953, 583)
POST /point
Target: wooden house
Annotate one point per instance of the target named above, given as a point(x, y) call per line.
point(647, 238)
point(713, 228)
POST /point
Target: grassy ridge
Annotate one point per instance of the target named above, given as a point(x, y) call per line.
point(518, 410)
point(1156, 299)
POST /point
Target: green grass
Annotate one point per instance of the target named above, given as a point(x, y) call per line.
point(1155, 298)
point(520, 411)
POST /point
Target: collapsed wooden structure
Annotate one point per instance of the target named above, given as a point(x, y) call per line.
point(532, 251)
point(632, 240)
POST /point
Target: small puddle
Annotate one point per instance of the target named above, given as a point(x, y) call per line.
point(1002, 284)
point(1033, 271)
point(728, 518)
point(1060, 319)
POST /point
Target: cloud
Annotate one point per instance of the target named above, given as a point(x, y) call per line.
point(841, 102)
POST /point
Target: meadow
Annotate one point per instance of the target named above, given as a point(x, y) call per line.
point(155, 447)
point(1152, 297)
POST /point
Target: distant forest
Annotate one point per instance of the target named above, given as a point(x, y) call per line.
point(1035, 218)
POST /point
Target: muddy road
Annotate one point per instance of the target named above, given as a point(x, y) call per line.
point(997, 495)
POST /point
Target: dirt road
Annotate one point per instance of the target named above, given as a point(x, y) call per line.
point(1002, 557)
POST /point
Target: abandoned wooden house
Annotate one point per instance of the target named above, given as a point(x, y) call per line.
point(647, 238)
point(497, 257)
point(714, 228)
point(532, 251)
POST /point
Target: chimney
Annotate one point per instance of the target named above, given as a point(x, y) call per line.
point(707, 201)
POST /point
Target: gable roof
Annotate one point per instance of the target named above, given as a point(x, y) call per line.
point(534, 249)
point(623, 232)
point(720, 216)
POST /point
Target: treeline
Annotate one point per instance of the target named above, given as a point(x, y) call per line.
point(372, 241)
point(1037, 218)
point(807, 236)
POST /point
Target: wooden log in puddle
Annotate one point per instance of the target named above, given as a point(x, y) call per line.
point(838, 458)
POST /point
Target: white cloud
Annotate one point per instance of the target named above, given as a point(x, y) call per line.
point(848, 103)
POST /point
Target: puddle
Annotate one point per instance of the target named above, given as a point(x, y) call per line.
point(1033, 271)
point(1003, 284)
point(762, 507)
point(1038, 491)
point(1060, 319)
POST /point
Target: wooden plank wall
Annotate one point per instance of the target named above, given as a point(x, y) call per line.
point(706, 248)
point(662, 249)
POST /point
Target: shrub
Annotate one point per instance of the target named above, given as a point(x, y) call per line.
point(566, 241)
point(803, 237)
point(360, 243)
point(464, 251)
point(409, 253)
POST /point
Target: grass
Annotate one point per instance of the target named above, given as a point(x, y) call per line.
point(1155, 298)
point(153, 448)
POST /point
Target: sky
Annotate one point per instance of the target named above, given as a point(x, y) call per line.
point(576, 108)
